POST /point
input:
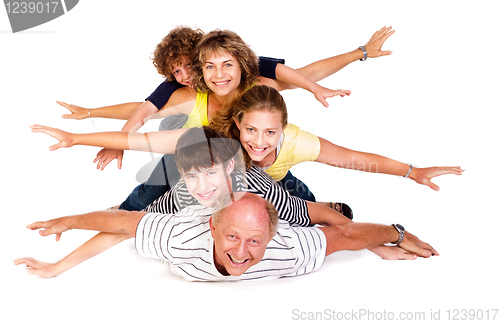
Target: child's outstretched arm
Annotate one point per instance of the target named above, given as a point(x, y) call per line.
point(119, 111)
point(96, 245)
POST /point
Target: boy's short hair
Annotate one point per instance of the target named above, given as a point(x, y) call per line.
point(179, 42)
point(204, 147)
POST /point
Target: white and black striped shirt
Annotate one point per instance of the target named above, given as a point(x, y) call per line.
point(292, 209)
point(184, 241)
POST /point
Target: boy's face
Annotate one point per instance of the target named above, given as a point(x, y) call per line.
point(182, 71)
point(208, 185)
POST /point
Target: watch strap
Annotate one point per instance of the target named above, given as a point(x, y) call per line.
point(365, 54)
point(401, 232)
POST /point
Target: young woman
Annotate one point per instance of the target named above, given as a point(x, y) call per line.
point(259, 120)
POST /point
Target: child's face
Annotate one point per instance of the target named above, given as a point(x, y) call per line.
point(182, 71)
point(208, 185)
point(222, 73)
point(260, 132)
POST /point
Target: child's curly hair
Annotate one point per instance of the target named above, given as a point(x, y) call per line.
point(179, 42)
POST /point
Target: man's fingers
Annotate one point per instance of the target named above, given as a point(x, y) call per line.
point(36, 225)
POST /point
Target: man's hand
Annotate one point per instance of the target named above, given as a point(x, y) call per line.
point(77, 112)
point(54, 226)
point(411, 243)
point(393, 253)
point(374, 45)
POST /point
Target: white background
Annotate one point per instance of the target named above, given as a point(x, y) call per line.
point(432, 102)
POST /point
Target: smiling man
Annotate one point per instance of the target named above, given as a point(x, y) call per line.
point(241, 241)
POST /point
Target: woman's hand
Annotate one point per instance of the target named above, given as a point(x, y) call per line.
point(105, 156)
point(424, 175)
point(65, 139)
point(77, 112)
point(322, 93)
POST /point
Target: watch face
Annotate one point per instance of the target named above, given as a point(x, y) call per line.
point(400, 227)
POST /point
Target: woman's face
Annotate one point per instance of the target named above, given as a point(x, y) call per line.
point(222, 73)
point(260, 132)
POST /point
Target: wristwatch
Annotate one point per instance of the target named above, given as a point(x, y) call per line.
point(401, 231)
point(365, 54)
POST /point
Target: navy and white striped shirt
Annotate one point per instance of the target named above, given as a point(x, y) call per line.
point(290, 208)
point(184, 241)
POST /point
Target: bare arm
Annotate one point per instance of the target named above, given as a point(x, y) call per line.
point(342, 157)
point(319, 70)
point(120, 111)
point(160, 142)
point(323, 215)
point(286, 75)
point(96, 245)
point(358, 236)
point(108, 221)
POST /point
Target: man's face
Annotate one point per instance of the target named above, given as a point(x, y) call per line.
point(208, 185)
point(182, 71)
point(240, 239)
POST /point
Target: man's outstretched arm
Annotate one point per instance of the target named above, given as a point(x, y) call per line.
point(108, 221)
point(359, 236)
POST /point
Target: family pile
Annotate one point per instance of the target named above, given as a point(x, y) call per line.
point(222, 204)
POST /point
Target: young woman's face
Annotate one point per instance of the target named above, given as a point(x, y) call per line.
point(260, 132)
point(182, 71)
point(222, 73)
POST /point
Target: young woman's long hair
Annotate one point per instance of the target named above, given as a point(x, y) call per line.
point(258, 98)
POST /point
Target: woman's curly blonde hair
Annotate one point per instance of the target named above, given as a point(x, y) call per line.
point(180, 41)
point(218, 41)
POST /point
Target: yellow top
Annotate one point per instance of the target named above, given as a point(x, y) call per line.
point(198, 116)
point(298, 146)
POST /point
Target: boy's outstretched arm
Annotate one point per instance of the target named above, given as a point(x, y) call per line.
point(120, 111)
point(96, 245)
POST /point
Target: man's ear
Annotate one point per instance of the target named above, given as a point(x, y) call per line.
point(212, 228)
